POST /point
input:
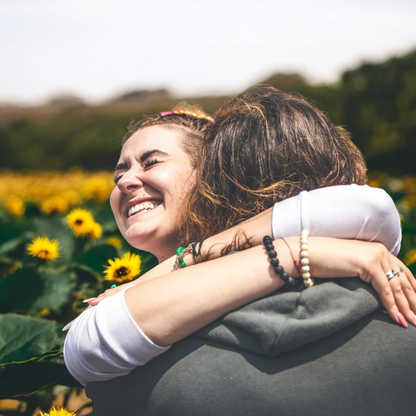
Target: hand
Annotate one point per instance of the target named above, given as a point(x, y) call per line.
point(397, 293)
point(109, 292)
point(371, 262)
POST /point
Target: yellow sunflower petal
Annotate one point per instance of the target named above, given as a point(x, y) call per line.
point(58, 411)
point(80, 221)
point(123, 269)
point(43, 248)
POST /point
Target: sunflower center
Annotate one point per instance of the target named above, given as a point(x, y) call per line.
point(122, 271)
point(78, 222)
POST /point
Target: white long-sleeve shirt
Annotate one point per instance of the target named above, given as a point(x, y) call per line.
point(105, 342)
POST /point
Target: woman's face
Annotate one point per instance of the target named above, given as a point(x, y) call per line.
point(152, 176)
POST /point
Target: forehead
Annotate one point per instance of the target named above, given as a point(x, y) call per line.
point(153, 137)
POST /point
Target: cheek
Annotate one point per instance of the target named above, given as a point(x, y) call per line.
point(115, 200)
point(184, 183)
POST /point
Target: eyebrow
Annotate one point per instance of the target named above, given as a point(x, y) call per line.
point(143, 157)
point(149, 153)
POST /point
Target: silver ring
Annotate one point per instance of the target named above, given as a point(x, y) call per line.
point(399, 272)
point(390, 274)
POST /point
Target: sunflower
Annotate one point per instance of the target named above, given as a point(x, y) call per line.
point(95, 231)
point(123, 269)
point(43, 248)
point(115, 242)
point(80, 221)
point(15, 205)
point(56, 411)
point(54, 203)
point(97, 188)
point(410, 257)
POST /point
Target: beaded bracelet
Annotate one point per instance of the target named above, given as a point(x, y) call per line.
point(278, 268)
point(181, 252)
point(304, 259)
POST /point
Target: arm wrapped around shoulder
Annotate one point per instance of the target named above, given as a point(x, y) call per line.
point(104, 342)
point(345, 211)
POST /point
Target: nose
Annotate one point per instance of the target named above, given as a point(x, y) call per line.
point(130, 181)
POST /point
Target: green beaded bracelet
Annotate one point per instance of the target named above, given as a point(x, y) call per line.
point(181, 252)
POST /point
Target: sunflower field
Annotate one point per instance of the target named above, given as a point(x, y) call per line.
point(59, 245)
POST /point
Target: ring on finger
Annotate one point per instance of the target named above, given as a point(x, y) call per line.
point(390, 274)
point(398, 273)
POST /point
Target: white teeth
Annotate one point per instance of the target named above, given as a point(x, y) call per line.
point(147, 206)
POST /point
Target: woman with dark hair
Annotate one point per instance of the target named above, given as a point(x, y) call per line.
point(264, 147)
point(233, 366)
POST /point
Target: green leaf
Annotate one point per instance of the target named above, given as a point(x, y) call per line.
point(23, 379)
point(18, 290)
point(57, 288)
point(23, 338)
point(30, 290)
point(96, 258)
point(9, 230)
point(12, 244)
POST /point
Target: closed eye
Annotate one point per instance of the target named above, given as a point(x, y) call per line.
point(150, 162)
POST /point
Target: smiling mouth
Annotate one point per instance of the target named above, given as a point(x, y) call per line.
point(141, 208)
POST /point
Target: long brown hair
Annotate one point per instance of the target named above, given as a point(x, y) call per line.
point(265, 146)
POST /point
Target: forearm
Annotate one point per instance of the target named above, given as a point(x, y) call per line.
point(170, 307)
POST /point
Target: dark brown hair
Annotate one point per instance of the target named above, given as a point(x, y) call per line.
point(265, 146)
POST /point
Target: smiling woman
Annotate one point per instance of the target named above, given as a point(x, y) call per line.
point(131, 325)
point(152, 176)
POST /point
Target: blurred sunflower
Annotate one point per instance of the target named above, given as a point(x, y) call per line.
point(123, 269)
point(95, 231)
point(43, 248)
point(80, 221)
point(8, 269)
point(97, 188)
point(115, 242)
point(56, 204)
point(56, 411)
point(15, 205)
point(71, 196)
point(410, 257)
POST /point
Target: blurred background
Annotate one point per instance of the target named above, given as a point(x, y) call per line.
point(73, 75)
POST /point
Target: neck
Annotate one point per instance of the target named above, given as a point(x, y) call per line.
point(166, 252)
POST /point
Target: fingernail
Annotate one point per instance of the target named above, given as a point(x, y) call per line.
point(113, 286)
point(88, 300)
point(401, 319)
point(68, 325)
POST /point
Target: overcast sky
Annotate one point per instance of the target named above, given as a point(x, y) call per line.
point(97, 49)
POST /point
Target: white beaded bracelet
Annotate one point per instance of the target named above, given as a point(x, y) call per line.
point(304, 259)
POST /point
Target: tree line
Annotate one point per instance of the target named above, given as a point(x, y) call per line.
point(375, 102)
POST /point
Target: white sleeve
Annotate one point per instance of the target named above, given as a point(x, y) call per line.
point(344, 211)
point(105, 342)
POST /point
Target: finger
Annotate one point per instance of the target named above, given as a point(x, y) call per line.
point(401, 299)
point(410, 295)
point(88, 300)
point(409, 276)
point(381, 285)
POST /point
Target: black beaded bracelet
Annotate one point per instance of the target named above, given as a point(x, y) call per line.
point(278, 268)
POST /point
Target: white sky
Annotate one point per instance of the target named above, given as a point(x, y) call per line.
point(97, 49)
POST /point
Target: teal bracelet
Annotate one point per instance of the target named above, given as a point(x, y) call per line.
point(181, 252)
